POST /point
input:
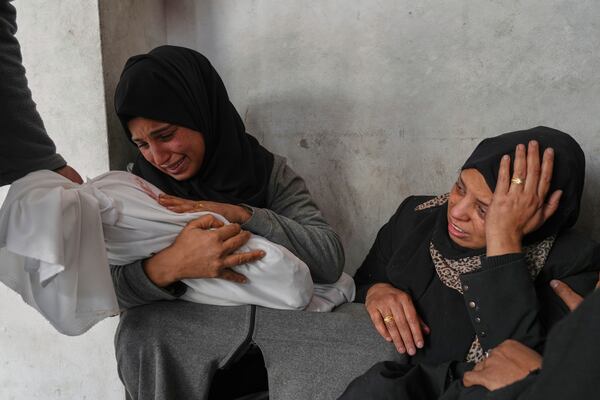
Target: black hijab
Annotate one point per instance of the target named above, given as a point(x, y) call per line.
point(179, 86)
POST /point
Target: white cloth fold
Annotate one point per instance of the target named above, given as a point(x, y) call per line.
point(57, 239)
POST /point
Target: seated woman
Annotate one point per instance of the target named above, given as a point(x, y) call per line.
point(450, 277)
point(193, 144)
point(53, 260)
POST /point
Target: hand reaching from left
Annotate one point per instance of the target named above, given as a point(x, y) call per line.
point(518, 206)
point(69, 173)
point(233, 213)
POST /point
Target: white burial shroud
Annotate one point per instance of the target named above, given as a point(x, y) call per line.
point(57, 239)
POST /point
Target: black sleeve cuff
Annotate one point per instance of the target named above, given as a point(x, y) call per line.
point(496, 261)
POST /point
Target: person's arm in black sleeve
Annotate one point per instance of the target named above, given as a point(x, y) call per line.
point(570, 367)
point(502, 303)
point(374, 268)
point(24, 144)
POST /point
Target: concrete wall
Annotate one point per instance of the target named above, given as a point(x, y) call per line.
point(374, 100)
point(369, 100)
point(127, 28)
point(61, 51)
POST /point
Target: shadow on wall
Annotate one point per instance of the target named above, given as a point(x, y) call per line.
point(358, 177)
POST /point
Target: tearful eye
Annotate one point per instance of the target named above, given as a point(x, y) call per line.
point(166, 137)
point(481, 210)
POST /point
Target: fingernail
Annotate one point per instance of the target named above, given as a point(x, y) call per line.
point(505, 157)
point(411, 351)
point(554, 283)
point(420, 344)
point(263, 253)
point(389, 339)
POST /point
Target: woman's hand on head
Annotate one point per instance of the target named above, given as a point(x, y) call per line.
point(231, 212)
point(395, 317)
point(518, 206)
point(205, 248)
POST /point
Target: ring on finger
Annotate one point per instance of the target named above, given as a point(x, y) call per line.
point(517, 181)
point(388, 319)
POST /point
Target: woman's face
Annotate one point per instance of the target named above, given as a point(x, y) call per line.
point(174, 150)
point(468, 203)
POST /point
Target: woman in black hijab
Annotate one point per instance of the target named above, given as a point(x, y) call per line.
point(451, 277)
point(193, 145)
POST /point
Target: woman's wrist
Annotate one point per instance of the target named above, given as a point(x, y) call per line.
point(501, 243)
point(160, 270)
point(243, 214)
point(374, 288)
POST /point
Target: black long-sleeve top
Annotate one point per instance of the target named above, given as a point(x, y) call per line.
point(24, 144)
point(500, 300)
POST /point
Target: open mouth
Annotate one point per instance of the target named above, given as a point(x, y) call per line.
point(454, 230)
point(175, 167)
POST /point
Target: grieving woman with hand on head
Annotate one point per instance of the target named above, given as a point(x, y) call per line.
point(451, 277)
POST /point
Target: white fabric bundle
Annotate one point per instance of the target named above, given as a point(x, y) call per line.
point(57, 239)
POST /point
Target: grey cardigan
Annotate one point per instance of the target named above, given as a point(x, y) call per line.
point(291, 219)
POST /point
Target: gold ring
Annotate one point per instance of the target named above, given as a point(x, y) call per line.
point(517, 181)
point(388, 318)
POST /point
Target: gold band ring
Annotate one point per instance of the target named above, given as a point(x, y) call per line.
point(517, 181)
point(388, 318)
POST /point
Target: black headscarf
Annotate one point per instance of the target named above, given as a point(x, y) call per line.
point(568, 173)
point(179, 86)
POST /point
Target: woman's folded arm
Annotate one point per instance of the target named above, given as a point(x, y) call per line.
point(294, 221)
point(134, 288)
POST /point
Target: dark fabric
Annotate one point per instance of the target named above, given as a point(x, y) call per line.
point(571, 366)
point(24, 144)
point(502, 303)
point(180, 86)
point(421, 382)
point(247, 375)
point(568, 174)
point(400, 256)
point(500, 300)
point(570, 370)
